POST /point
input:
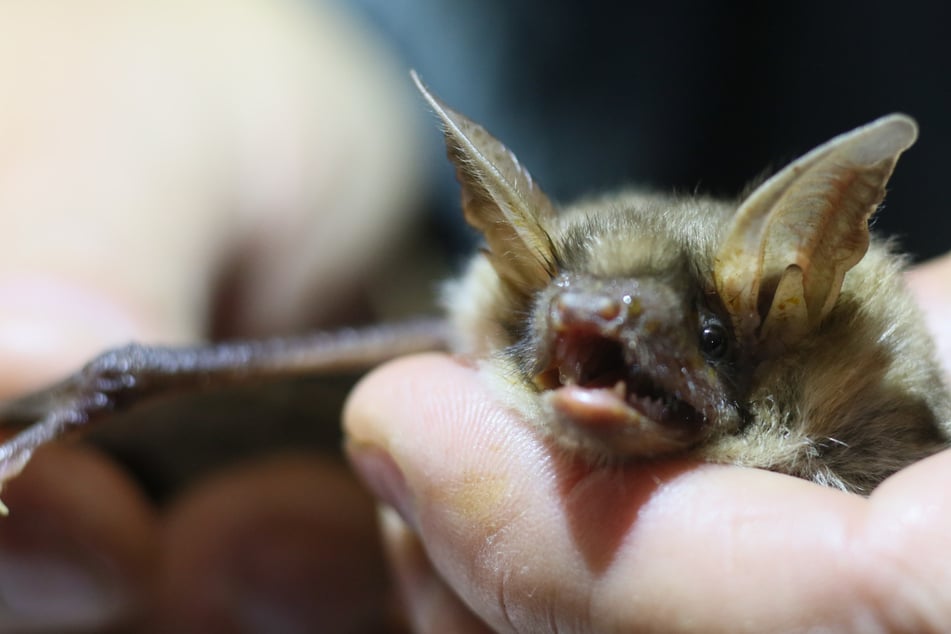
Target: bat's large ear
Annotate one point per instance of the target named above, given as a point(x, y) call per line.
point(500, 199)
point(780, 269)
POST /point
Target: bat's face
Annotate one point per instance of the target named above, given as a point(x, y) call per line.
point(628, 346)
point(639, 325)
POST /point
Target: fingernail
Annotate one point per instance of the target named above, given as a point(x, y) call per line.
point(383, 477)
point(55, 589)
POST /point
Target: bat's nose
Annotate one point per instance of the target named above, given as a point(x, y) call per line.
point(642, 307)
point(588, 311)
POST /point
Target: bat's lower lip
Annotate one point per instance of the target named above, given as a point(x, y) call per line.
point(605, 415)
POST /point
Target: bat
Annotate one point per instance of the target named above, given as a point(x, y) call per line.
point(772, 332)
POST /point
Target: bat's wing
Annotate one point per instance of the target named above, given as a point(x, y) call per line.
point(122, 378)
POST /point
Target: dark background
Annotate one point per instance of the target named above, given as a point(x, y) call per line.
point(684, 95)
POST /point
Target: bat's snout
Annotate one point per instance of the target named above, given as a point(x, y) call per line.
point(606, 379)
point(584, 311)
point(609, 308)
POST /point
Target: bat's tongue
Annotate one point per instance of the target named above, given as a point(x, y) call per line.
point(607, 414)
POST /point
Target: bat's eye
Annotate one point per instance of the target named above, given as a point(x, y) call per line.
point(714, 340)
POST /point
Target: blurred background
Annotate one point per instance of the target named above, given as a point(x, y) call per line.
point(684, 95)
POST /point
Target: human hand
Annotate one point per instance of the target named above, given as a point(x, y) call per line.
point(931, 285)
point(148, 148)
point(494, 531)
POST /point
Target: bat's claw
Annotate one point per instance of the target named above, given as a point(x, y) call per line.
point(16, 450)
point(14, 457)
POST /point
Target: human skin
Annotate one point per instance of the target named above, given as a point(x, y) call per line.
point(146, 148)
point(486, 524)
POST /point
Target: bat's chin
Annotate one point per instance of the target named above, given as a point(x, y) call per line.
point(599, 399)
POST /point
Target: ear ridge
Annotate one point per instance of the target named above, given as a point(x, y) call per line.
point(499, 198)
point(812, 215)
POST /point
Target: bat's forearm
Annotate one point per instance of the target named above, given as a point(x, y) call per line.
point(123, 377)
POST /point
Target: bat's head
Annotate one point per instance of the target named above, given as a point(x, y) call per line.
point(634, 322)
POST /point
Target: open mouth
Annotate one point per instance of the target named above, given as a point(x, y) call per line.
point(599, 386)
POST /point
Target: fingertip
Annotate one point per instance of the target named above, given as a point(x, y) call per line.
point(427, 427)
point(372, 401)
point(386, 417)
point(423, 406)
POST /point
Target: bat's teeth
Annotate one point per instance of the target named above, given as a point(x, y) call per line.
point(650, 406)
point(564, 378)
point(587, 360)
point(567, 351)
point(620, 388)
point(570, 363)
